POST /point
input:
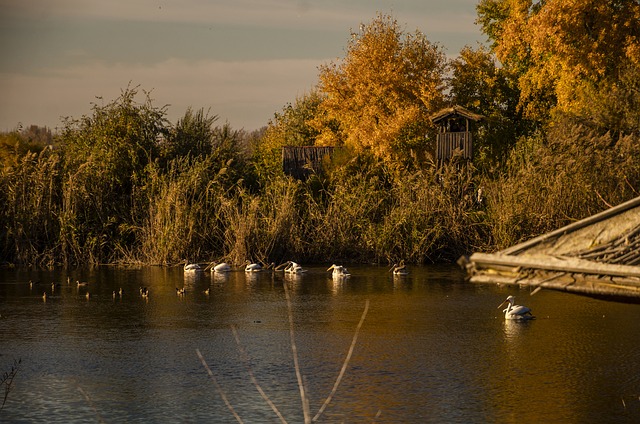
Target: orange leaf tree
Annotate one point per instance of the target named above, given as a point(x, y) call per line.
point(559, 47)
point(379, 97)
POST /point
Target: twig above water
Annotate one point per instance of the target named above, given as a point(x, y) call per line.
point(218, 388)
point(294, 351)
point(301, 385)
point(344, 366)
point(7, 380)
point(253, 378)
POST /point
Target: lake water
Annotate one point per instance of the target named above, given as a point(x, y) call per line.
point(432, 349)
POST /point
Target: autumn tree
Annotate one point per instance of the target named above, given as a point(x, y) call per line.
point(382, 93)
point(558, 47)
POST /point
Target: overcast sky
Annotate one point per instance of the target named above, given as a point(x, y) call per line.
point(242, 60)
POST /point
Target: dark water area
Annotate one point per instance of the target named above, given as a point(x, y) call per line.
point(433, 349)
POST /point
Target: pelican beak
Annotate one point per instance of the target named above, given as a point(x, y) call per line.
point(331, 267)
point(501, 305)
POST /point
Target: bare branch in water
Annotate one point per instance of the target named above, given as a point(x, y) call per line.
point(7, 380)
point(294, 350)
point(89, 401)
point(301, 382)
point(344, 366)
point(218, 388)
point(245, 357)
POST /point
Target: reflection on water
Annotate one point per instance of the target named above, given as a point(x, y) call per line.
point(432, 349)
point(513, 329)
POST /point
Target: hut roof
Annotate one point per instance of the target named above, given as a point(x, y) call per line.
point(455, 110)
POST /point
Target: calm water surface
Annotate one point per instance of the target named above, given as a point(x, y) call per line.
point(432, 349)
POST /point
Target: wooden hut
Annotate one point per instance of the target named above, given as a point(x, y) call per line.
point(302, 161)
point(454, 132)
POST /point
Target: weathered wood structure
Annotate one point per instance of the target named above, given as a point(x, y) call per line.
point(454, 132)
point(301, 161)
point(598, 256)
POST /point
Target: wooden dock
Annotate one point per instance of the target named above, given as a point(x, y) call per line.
point(598, 256)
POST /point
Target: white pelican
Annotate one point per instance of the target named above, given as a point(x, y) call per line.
point(252, 267)
point(399, 269)
point(339, 271)
point(180, 292)
point(282, 266)
point(294, 268)
point(517, 312)
point(191, 267)
point(222, 267)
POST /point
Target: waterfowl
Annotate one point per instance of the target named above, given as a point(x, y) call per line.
point(294, 268)
point(181, 291)
point(339, 271)
point(191, 267)
point(252, 267)
point(206, 291)
point(400, 269)
point(144, 292)
point(81, 284)
point(222, 267)
point(515, 312)
point(87, 295)
point(44, 296)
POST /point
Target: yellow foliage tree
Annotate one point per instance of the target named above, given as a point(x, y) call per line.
point(558, 46)
point(383, 92)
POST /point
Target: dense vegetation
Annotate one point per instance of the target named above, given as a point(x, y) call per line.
point(559, 86)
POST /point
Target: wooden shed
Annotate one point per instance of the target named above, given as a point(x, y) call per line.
point(301, 161)
point(454, 132)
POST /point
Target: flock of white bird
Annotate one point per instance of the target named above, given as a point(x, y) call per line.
point(289, 267)
point(511, 312)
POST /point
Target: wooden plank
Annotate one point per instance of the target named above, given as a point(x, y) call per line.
point(513, 250)
point(551, 263)
point(581, 286)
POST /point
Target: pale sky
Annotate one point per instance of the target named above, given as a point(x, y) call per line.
point(242, 60)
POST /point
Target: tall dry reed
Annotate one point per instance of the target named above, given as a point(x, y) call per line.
point(30, 188)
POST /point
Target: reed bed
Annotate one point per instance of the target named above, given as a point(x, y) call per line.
point(122, 186)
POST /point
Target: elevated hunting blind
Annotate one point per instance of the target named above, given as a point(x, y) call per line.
point(454, 132)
